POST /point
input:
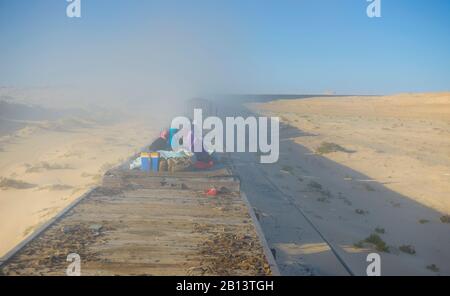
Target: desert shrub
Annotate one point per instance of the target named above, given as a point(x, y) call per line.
point(408, 249)
point(315, 185)
point(378, 242)
point(433, 268)
point(380, 230)
point(361, 212)
point(6, 183)
point(327, 147)
point(445, 219)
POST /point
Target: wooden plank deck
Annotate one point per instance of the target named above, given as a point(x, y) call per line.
point(143, 224)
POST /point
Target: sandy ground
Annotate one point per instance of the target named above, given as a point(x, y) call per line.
point(390, 180)
point(401, 141)
point(46, 166)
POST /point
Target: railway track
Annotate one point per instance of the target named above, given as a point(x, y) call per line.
point(294, 205)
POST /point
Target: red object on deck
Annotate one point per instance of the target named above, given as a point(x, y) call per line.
point(211, 192)
point(201, 165)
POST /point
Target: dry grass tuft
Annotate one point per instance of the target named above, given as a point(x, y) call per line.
point(6, 183)
point(327, 147)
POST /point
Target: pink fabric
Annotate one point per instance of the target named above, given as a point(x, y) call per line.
point(164, 134)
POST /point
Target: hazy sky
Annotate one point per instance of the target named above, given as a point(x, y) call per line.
point(251, 46)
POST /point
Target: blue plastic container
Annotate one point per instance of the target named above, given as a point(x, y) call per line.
point(154, 156)
point(145, 162)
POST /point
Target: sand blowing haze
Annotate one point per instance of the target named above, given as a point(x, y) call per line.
point(47, 163)
point(401, 141)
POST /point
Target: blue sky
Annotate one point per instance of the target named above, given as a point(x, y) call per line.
point(309, 46)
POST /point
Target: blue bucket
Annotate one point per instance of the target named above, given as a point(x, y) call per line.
point(154, 156)
point(145, 162)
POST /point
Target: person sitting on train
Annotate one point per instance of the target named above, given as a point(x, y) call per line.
point(161, 143)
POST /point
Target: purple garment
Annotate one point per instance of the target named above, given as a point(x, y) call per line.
point(195, 140)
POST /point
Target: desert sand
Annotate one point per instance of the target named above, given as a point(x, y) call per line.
point(371, 173)
point(402, 141)
point(45, 166)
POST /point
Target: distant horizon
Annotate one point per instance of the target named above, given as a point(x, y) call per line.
point(250, 94)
